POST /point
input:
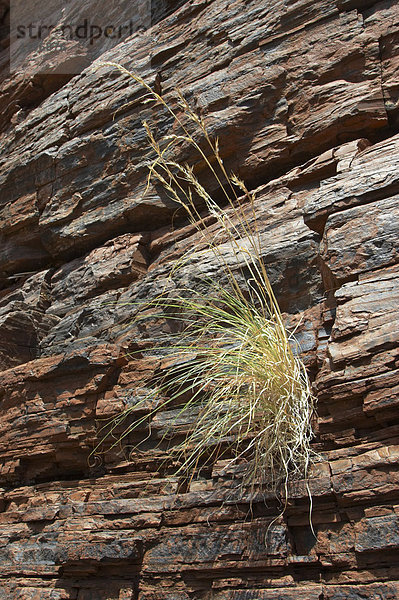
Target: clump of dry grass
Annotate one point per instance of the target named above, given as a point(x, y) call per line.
point(253, 393)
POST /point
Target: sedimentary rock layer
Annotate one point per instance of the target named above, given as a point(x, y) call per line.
point(304, 99)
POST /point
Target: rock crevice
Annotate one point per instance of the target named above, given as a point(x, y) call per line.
point(304, 98)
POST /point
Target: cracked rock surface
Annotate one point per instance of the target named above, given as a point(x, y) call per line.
point(304, 97)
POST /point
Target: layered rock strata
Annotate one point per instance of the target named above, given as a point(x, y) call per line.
point(304, 97)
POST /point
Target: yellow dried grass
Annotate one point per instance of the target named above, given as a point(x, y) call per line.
point(253, 393)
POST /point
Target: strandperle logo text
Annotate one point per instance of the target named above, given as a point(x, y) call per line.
point(82, 31)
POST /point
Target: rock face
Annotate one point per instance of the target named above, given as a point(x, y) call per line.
point(304, 97)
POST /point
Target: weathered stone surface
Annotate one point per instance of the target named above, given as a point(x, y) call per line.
point(370, 176)
point(116, 263)
point(50, 412)
point(360, 374)
point(387, 590)
point(304, 98)
point(23, 322)
point(21, 331)
point(377, 533)
point(270, 121)
point(374, 232)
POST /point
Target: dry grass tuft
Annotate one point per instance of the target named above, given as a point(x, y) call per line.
point(253, 393)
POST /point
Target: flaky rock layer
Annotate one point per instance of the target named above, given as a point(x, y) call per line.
point(304, 98)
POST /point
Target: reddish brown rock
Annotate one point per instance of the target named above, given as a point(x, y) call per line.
point(114, 265)
point(370, 176)
point(373, 231)
point(304, 98)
